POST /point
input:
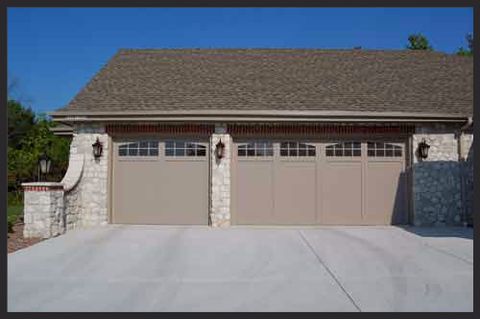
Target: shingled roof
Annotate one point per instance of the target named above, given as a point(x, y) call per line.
point(150, 80)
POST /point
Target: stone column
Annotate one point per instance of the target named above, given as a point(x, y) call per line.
point(436, 181)
point(467, 160)
point(43, 210)
point(220, 179)
point(86, 202)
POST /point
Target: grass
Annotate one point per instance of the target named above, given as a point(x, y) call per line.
point(13, 213)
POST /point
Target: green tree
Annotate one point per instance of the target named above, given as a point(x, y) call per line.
point(465, 52)
point(28, 141)
point(20, 121)
point(418, 42)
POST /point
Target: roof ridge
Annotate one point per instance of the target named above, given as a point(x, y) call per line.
point(275, 49)
point(127, 51)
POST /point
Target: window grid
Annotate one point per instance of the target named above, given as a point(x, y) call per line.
point(296, 149)
point(140, 148)
point(346, 149)
point(183, 148)
point(379, 149)
point(256, 149)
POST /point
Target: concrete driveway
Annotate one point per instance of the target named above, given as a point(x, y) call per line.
point(158, 268)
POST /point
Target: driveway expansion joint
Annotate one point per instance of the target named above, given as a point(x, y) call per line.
point(440, 250)
point(319, 259)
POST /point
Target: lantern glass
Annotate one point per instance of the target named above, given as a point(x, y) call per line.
point(45, 164)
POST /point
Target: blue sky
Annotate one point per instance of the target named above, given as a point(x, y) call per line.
point(52, 53)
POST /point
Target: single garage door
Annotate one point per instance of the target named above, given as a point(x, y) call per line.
point(160, 181)
point(311, 182)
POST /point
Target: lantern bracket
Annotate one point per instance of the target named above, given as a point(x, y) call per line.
point(220, 149)
point(423, 149)
point(97, 149)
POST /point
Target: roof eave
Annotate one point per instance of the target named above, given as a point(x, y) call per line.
point(252, 115)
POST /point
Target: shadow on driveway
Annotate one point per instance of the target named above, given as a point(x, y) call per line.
point(459, 232)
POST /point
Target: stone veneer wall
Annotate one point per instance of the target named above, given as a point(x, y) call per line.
point(73, 211)
point(80, 200)
point(437, 180)
point(467, 167)
point(43, 210)
point(442, 184)
point(220, 181)
point(86, 203)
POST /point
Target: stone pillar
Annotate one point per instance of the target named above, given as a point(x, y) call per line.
point(220, 179)
point(436, 181)
point(467, 160)
point(86, 202)
point(43, 210)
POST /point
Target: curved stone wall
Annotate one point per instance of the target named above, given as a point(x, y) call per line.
point(86, 202)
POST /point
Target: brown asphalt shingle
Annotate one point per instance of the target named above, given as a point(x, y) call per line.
point(280, 79)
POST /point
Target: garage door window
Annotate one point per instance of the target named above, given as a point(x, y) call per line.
point(140, 148)
point(255, 149)
point(185, 149)
point(379, 149)
point(296, 149)
point(344, 149)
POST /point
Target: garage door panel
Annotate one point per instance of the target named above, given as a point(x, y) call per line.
point(130, 201)
point(254, 191)
point(295, 198)
point(151, 187)
point(342, 193)
point(385, 193)
point(182, 192)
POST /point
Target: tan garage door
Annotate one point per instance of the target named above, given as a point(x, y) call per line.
point(311, 182)
point(160, 181)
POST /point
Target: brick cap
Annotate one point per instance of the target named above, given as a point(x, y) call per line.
point(47, 184)
point(42, 186)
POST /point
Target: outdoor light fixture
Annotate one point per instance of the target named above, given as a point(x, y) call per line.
point(97, 149)
point(423, 149)
point(44, 164)
point(219, 149)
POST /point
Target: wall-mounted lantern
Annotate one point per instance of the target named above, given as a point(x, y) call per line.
point(44, 165)
point(97, 149)
point(219, 149)
point(423, 149)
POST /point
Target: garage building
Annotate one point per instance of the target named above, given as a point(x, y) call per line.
point(270, 137)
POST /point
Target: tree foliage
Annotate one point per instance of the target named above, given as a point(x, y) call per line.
point(29, 136)
point(418, 42)
point(469, 38)
point(20, 121)
point(467, 52)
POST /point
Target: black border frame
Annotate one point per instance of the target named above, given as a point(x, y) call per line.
point(217, 3)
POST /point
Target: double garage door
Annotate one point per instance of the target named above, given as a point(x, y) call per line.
point(312, 182)
point(274, 182)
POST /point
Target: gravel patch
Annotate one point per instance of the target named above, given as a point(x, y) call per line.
point(16, 240)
